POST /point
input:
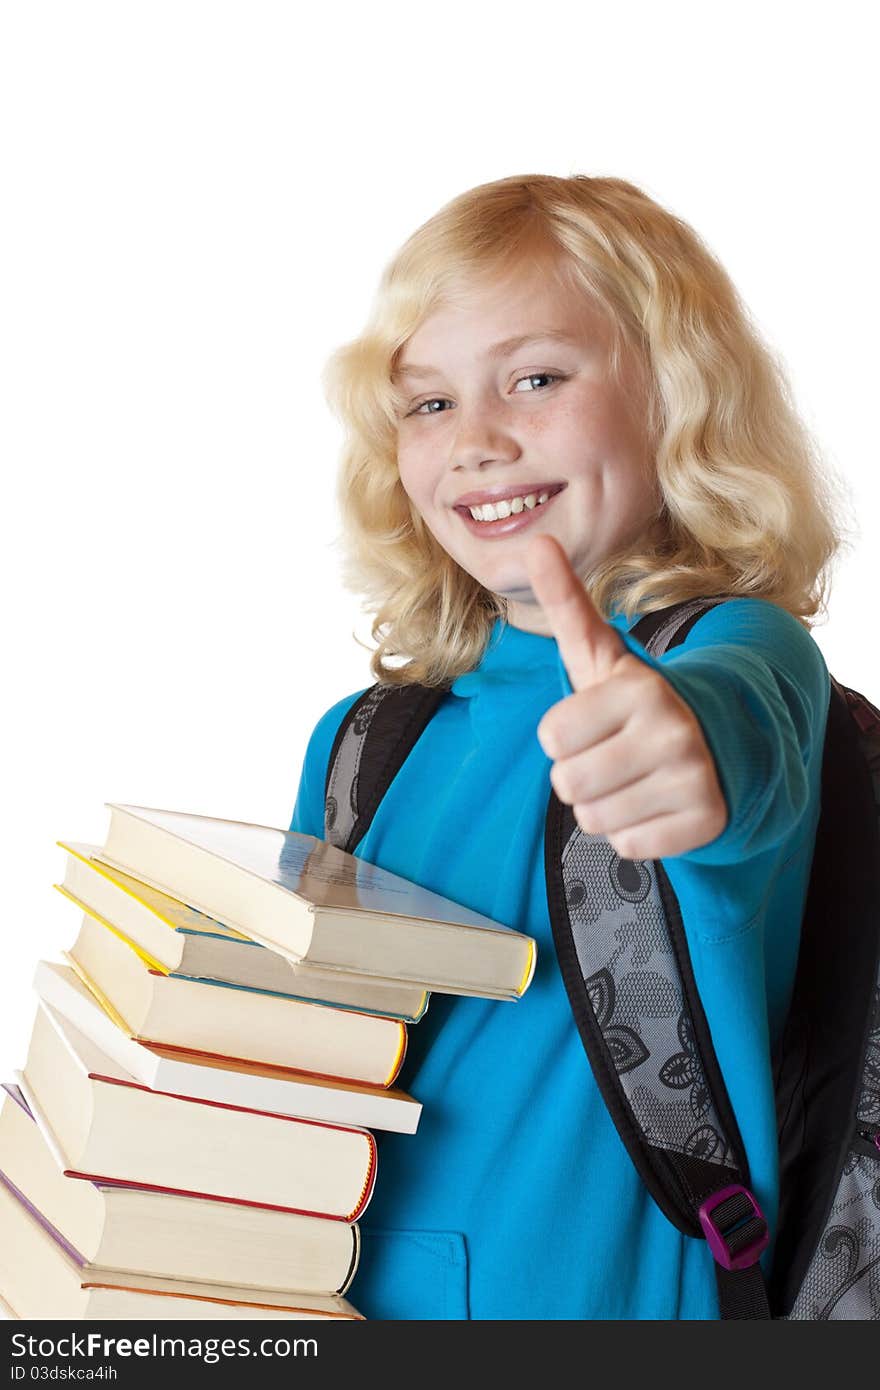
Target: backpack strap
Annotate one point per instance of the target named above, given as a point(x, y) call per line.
point(623, 954)
point(827, 1062)
point(371, 745)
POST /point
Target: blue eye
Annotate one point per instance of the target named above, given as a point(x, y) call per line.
point(530, 376)
point(538, 376)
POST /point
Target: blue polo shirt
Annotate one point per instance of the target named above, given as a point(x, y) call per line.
point(516, 1198)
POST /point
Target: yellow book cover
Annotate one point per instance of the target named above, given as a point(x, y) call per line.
point(176, 915)
point(173, 938)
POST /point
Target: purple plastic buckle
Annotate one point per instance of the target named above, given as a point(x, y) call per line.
point(718, 1241)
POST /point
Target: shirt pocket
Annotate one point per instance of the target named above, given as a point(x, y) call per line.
point(411, 1276)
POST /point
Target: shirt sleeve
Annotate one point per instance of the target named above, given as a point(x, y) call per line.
point(308, 811)
point(758, 684)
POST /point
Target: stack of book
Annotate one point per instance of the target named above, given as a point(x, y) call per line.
point(191, 1134)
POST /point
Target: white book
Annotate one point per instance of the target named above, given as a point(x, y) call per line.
point(256, 1088)
point(245, 1025)
point(314, 902)
point(102, 1125)
point(42, 1279)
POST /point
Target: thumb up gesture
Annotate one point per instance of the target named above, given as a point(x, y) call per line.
point(629, 755)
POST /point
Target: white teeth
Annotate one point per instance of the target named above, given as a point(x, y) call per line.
point(496, 511)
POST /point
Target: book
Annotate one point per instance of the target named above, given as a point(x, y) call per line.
point(314, 902)
point(178, 939)
point(127, 1227)
point(103, 1125)
point(43, 1277)
point(285, 1092)
point(231, 1021)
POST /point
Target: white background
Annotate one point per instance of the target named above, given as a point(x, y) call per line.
point(198, 200)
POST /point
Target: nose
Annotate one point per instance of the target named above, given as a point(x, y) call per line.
point(482, 436)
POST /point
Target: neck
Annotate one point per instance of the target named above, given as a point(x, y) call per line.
point(528, 617)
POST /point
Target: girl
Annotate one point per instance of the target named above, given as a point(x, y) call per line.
point(560, 418)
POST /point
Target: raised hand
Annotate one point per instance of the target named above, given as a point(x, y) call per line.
point(629, 755)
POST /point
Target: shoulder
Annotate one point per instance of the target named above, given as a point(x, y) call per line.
point(325, 731)
point(308, 812)
point(741, 620)
point(756, 631)
point(749, 665)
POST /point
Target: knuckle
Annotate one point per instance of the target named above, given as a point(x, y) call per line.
point(565, 781)
point(586, 818)
point(581, 819)
point(722, 817)
point(631, 666)
point(637, 679)
point(547, 736)
point(691, 776)
point(654, 687)
point(626, 845)
point(681, 744)
point(682, 735)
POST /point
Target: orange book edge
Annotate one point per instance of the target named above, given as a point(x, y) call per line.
point(172, 1050)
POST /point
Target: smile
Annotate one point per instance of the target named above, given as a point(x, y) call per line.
point(508, 525)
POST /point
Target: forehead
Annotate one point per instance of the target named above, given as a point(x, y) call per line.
point(480, 318)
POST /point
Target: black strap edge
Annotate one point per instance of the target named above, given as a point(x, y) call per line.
point(347, 718)
point(645, 627)
point(708, 1058)
point(414, 706)
point(670, 1178)
point(797, 1243)
point(399, 725)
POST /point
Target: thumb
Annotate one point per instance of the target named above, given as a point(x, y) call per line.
point(589, 646)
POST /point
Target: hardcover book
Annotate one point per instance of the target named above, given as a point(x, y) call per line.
point(231, 1021)
point(42, 1276)
point(74, 996)
point(313, 902)
point(178, 939)
point(102, 1125)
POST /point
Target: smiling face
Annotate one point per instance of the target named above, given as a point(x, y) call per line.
point(544, 416)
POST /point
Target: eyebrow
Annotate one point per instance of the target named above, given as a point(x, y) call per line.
point(508, 345)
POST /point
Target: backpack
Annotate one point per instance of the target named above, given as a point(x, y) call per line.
point(661, 1080)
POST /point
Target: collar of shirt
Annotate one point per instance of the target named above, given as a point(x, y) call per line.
point(516, 661)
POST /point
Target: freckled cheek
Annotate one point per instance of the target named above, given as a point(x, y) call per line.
point(572, 430)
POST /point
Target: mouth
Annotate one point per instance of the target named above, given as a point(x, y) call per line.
point(516, 521)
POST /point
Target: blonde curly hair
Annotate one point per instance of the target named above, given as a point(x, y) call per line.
point(749, 507)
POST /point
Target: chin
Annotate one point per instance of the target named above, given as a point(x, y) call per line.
point(516, 590)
